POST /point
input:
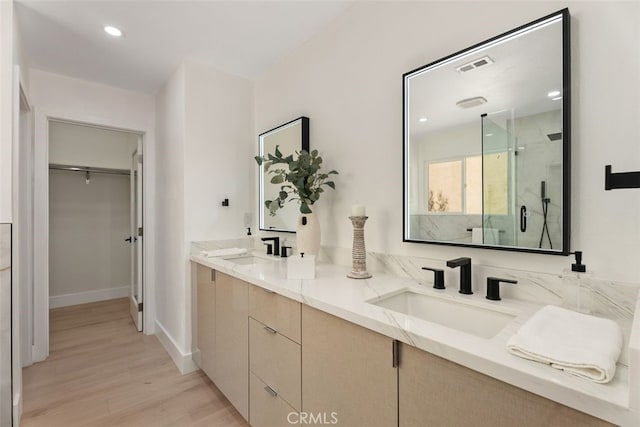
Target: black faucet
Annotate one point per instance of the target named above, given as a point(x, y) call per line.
point(276, 244)
point(438, 277)
point(465, 273)
point(493, 287)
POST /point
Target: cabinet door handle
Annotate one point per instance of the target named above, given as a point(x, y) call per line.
point(271, 391)
point(395, 348)
point(268, 329)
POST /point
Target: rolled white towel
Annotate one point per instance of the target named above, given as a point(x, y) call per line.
point(583, 345)
point(223, 252)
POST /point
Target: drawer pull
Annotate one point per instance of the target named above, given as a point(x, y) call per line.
point(271, 391)
point(268, 291)
point(268, 329)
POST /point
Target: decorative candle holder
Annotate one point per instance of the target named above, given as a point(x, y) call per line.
point(358, 252)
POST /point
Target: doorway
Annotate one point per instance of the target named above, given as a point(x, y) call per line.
point(94, 203)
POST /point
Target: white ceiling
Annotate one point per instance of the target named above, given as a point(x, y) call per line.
point(240, 37)
point(525, 70)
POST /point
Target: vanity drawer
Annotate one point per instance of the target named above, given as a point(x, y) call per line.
point(267, 408)
point(276, 360)
point(275, 311)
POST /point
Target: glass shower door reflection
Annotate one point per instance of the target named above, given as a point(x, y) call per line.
point(500, 217)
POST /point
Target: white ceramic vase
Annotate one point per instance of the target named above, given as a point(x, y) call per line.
point(308, 234)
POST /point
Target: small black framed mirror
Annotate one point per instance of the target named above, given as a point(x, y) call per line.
point(290, 137)
point(487, 134)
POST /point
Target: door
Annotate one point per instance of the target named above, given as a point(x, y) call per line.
point(348, 372)
point(501, 218)
point(437, 392)
point(231, 348)
point(206, 319)
point(135, 238)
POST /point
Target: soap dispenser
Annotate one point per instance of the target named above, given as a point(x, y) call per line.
point(573, 286)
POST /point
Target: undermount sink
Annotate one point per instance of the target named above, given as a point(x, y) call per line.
point(249, 259)
point(472, 317)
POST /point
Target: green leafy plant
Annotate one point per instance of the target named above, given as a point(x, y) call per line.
point(439, 203)
point(302, 181)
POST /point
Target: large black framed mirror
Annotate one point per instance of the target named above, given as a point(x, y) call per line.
point(290, 137)
point(487, 143)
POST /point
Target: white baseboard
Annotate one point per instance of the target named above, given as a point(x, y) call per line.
point(183, 361)
point(196, 357)
point(17, 409)
point(89, 296)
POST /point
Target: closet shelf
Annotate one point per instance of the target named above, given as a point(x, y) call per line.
point(89, 169)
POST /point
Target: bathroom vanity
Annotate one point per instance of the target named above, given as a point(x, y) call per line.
point(328, 348)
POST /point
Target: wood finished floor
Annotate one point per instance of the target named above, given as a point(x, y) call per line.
point(101, 372)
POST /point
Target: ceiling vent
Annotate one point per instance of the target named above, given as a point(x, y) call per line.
point(471, 102)
point(555, 136)
point(476, 63)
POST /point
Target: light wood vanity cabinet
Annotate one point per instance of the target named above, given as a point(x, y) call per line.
point(274, 359)
point(347, 370)
point(276, 311)
point(278, 361)
point(231, 350)
point(436, 392)
point(206, 305)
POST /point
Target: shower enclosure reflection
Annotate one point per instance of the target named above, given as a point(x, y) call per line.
point(486, 143)
point(522, 181)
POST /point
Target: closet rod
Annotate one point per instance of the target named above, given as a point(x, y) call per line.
point(89, 169)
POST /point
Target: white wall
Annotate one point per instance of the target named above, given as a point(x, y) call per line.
point(169, 209)
point(89, 258)
point(15, 133)
point(70, 99)
point(218, 157)
point(75, 145)
point(6, 109)
point(204, 139)
point(348, 80)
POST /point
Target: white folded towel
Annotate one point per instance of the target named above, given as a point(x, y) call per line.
point(583, 345)
point(223, 252)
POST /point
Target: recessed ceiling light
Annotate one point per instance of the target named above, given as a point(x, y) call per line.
point(553, 93)
point(112, 31)
point(488, 134)
point(422, 119)
point(557, 98)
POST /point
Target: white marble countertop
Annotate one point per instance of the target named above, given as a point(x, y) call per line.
point(345, 298)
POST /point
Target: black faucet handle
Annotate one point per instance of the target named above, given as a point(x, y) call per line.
point(493, 287)
point(578, 265)
point(269, 248)
point(284, 253)
point(438, 277)
point(458, 262)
